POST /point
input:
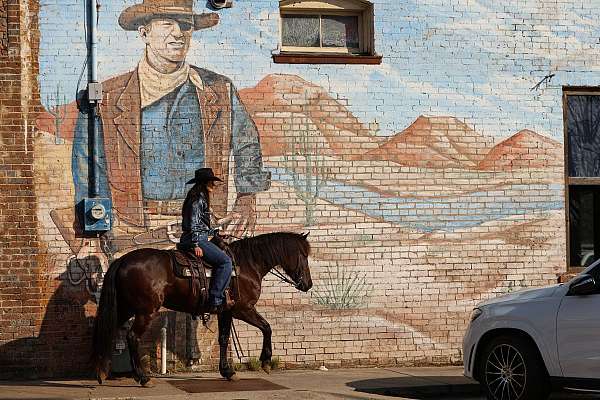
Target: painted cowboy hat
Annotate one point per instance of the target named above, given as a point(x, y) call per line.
point(204, 175)
point(139, 14)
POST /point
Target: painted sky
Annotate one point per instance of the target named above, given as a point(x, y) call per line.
point(475, 60)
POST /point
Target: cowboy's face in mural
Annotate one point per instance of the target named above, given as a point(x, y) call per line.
point(167, 42)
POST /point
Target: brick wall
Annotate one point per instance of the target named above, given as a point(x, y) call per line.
point(21, 297)
point(4, 28)
point(436, 178)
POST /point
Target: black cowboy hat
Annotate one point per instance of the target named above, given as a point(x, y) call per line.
point(204, 175)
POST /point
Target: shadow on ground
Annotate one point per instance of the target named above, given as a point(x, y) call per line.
point(421, 387)
point(441, 387)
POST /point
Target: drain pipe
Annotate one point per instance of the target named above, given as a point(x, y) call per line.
point(163, 347)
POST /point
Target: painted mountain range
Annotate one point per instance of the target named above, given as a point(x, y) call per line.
point(280, 104)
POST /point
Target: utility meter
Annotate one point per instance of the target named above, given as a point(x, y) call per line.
point(97, 214)
point(98, 211)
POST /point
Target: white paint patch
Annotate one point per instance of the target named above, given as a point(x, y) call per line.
point(25, 131)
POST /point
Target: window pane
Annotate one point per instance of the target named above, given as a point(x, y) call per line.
point(300, 30)
point(583, 133)
point(340, 31)
point(584, 232)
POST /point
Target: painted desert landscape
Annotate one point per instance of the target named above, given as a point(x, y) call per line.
point(424, 221)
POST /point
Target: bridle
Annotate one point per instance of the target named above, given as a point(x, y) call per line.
point(277, 272)
point(281, 275)
point(285, 279)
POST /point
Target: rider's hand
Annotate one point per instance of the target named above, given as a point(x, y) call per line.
point(243, 216)
point(198, 252)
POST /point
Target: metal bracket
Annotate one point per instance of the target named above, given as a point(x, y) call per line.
point(218, 4)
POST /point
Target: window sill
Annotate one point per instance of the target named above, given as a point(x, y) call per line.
point(324, 58)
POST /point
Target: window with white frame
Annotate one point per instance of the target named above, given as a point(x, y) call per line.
point(327, 26)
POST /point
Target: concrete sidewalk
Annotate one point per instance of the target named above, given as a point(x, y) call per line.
point(368, 383)
point(302, 384)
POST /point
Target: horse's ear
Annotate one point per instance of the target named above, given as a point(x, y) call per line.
point(305, 235)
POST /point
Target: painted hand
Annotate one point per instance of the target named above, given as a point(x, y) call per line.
point(242, 219)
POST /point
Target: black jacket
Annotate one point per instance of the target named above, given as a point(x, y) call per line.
point(196, 222)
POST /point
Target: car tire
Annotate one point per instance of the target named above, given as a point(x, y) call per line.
point(511, 369)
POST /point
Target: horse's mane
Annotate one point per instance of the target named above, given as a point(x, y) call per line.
point(269, 248)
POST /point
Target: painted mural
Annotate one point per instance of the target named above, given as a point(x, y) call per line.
point(410, 227)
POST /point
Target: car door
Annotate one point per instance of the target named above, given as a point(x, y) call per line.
point(578, 333)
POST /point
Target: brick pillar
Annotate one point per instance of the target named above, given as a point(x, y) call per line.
point(20, 294)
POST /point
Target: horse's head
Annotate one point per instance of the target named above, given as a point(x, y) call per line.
point(296, 265)
point(289, 251)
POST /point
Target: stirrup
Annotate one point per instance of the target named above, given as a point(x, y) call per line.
point(205, 320)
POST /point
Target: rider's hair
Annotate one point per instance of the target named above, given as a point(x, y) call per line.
point(195, 192)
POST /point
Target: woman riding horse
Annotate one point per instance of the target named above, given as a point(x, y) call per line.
point(196, 234)
point(142, 281)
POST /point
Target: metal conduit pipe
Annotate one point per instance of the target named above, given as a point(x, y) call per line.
point(163, 347)
point(94, 97)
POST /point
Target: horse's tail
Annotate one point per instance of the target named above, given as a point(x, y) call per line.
point(106, 323)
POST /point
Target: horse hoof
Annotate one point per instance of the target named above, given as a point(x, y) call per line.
point(233, 378)
point(266, 368)
point(101, 376)
point(145, 382)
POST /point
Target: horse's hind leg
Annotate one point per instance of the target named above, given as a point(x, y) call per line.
point(224, 334)
point(134, 336)
point(252, 317)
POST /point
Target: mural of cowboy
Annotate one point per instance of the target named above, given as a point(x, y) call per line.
point(161, 122)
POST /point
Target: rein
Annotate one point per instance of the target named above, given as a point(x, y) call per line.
point(281, 276)
point(274, 270)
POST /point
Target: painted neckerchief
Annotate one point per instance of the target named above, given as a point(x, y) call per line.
point(154, 85)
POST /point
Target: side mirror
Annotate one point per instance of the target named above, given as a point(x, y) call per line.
point(582, 285)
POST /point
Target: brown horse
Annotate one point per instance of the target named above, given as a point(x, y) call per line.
point(142, 281)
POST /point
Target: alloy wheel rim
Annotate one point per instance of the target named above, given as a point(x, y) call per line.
point(505, 373)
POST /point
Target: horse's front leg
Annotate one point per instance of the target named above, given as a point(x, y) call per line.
point(252, 317)
point(224, 333)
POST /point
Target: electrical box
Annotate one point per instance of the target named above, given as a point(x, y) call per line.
point(95, 92)
point(97, 214)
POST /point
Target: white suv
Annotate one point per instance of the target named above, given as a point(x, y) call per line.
point(521, 345)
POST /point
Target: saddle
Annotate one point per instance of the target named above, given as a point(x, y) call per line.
point(198, 272)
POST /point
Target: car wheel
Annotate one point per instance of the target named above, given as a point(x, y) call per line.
point(511, 369)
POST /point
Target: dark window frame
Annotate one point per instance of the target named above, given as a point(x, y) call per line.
point(573, 181)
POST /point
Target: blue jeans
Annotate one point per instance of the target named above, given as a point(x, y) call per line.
point(221, 271)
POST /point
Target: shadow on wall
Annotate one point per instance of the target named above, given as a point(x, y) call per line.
point(64, 339)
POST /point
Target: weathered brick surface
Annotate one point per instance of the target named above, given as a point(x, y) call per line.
point(428, 183)
point(20, 294)
point(4, 28)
